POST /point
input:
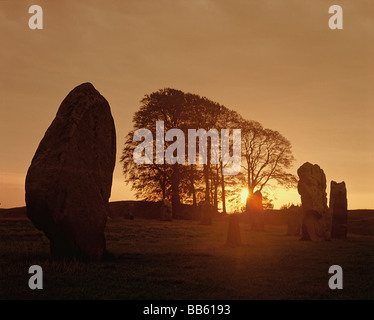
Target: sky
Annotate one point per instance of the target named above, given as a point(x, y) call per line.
point(276, 62)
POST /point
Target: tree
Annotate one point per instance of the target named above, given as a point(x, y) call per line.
point(204, 114)
point(149, 181)
point(167, 105)
point(228, 119)
point(177, 110)
point(266, 157)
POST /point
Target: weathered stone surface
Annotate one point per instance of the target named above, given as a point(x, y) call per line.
point(256, 212)
point(338, 209)
point(312, 188)
point(69, 181)
point(233, 235)
point(294, 221)
point(165, 210)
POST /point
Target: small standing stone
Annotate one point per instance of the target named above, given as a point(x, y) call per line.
point(256, 212)
point(206, 213)
point(294, 220)
point(338, 209)
point(131, 211)
point(233, 235)
point(165, 210)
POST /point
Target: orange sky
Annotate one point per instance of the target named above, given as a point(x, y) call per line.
point(276, 62)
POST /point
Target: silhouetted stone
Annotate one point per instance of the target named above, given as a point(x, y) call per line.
point(233, 235)
point(206, 213)
point(338, 209)
point(69, 181)
point(256, 212)
point(312, 188)
point(165, 210)
point(294, 221)
point(131, 212)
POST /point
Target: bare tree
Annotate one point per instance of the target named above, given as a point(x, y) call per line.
point(266, 157)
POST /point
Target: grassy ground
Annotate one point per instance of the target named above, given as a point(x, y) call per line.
point(184, 260)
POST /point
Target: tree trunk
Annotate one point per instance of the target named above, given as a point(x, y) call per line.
point(207, 172)
point(207, 187)
point(223, 191)
point(194, 200)
point(175, 198)
point(163, 188)
point(215, 203)
point(250, 191)
point(193, 190)
point(211, 189)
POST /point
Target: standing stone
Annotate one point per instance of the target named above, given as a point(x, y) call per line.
point(294, 220)
point(206, 213)
point(131, 211)
point(233, 235)
point(256, 212)
point(338, 210)
point(165, 210)
point(69, 181)
point(312, 188)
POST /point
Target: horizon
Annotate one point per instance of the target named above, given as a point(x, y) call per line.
point(361, 209)
point(276, 63)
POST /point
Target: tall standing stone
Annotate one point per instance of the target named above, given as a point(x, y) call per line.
point(69, 181)
point(312, 189)
point(338, 209)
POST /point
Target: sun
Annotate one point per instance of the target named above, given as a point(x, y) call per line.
point(244, 195)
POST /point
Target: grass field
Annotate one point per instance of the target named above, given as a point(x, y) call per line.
point(185, 260)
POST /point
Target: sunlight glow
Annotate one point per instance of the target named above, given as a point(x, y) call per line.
point(244, 196)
